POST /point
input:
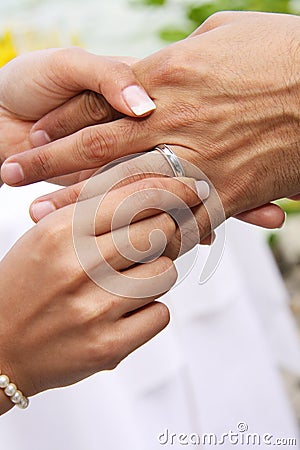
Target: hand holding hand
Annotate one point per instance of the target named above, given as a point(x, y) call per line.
point(216, 107)
point(34, 84)
point(57, 326)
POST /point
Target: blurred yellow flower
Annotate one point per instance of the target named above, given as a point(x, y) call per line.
point(12, 44)
point(7, 48)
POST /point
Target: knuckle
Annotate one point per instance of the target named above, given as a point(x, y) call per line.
point(88, 313)
point(69, 196)
point(151, 192)
point(168, 72)
point(52, 234)
point(187, 194)
point(165, 264)
point(120, 71)
point(167, 272)
point(130, 170)
point(104, 352)
point(96, 108)
point(215, 20)
point(108, 253)
point(109, 306)
point(84, 313)
point(167, 222)
point(42, 164)
point(54, 241)
point(146, 198)
point(59, 56)
point(96, 145)
point(178, 67)
point(61, 124)
point(59, 64)
point(136, 170)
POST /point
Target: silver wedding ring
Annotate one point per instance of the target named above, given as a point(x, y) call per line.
point(172, 159)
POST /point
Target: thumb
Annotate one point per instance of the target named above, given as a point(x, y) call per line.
point(80, 70)
point(111, 77)
point(118, 84)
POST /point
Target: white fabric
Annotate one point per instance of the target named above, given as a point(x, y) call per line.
point(216, 364)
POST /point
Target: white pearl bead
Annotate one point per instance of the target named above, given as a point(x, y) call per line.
point(4, 381)
point(23, 403)
point(10, 390)
point(16, 398)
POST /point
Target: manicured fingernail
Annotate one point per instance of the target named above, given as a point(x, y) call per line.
point(39, 138)
point(12, 173)
point(203, 189)
point(138, 100)
point(42, 209)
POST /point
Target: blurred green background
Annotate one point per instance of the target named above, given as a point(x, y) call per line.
point(197, 12)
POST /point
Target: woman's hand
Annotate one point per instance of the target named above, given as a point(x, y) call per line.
point(36, 83)
point(153, 164)
point(57, 326)
point(220, 103)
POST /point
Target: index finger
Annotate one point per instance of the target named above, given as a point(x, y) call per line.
point(89, 148)
point(123, 172)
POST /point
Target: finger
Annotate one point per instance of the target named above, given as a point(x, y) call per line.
point(209, 218)
point(79, 71)
point(90, 148)
point(147, 165)
point(141, 241)
point(63, 73)
point(162, 271)
point(86, 109)
point(152, 272)
point(206, 218)
point(140, 200)
point(104, 258)
point(146, 237)
point(141, 326)
point(267, 216)
point(72, 178)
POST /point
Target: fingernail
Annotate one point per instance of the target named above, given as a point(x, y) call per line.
point(203, 189)
point(12, 173)
point(138, 100)
point(39, 138)
point(42, 209)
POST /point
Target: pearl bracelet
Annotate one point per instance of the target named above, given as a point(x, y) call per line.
point(12, 392)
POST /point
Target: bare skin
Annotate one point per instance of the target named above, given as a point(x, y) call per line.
point(224, 115)
point(74, 110)
point(57, 325)
point(220, 103)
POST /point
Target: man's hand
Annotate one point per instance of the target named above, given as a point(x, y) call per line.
point(220, 104)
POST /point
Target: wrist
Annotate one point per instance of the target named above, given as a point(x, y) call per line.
point(12, 393)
